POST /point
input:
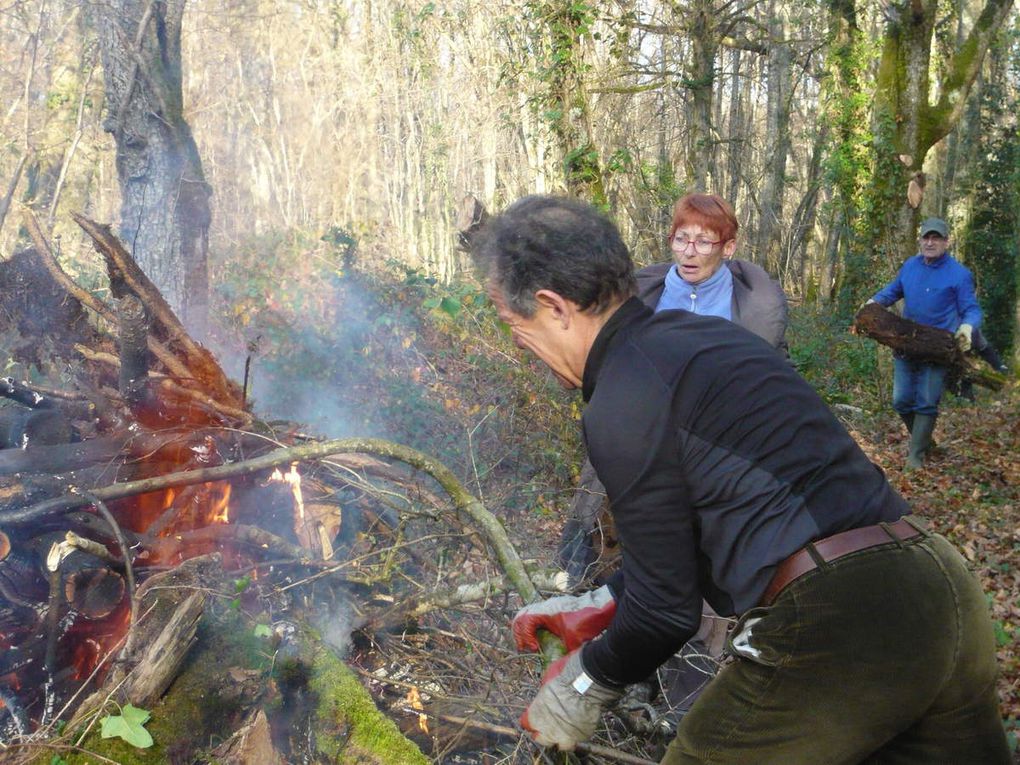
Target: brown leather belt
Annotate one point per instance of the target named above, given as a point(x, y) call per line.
point(836, 546)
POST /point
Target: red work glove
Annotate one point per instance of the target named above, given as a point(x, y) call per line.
point(568, 706)
point(574, 619)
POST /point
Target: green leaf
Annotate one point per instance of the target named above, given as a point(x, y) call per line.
point(240, 585)
point(450, 306)
point(128, 725)
point(263, 630)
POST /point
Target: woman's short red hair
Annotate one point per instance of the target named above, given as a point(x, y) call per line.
point(710, 211)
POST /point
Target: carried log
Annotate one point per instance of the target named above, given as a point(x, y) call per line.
point(921, 343)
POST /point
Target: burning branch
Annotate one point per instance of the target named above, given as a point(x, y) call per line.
point(463, 500)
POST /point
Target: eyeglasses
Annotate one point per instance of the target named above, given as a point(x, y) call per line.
point(702, 246)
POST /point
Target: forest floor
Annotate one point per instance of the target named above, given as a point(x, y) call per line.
point(970, 492)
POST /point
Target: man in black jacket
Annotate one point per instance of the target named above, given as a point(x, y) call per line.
point(861, 636)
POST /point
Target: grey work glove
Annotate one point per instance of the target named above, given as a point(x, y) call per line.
point(568, 706)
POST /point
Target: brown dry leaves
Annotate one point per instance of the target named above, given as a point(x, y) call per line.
point(970, 491)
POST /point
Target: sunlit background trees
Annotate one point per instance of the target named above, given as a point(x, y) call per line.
point(832, 125)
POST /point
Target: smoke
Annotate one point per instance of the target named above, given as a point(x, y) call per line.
point(335, 622)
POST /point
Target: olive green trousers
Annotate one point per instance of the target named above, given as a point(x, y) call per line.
point(885, 656)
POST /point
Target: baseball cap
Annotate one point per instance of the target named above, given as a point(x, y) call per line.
point(935, 226)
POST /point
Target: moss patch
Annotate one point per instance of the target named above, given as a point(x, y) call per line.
point(203, 705)
point(351, 728)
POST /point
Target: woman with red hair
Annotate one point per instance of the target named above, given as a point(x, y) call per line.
point(705, 278)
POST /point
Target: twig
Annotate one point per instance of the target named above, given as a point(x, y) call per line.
point(125, 551)
point(505, 732)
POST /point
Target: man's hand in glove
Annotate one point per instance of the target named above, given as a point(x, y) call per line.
point(575, 619)
point(568, 706)
point(963, 337)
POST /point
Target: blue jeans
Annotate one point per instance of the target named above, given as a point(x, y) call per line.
point(917, 386)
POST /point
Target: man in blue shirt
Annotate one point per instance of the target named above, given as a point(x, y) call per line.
point(937, 290)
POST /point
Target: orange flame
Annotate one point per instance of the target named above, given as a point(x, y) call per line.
point(220, 512)
point(414, 700)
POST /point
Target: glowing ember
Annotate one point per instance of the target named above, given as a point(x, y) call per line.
point(414, 701)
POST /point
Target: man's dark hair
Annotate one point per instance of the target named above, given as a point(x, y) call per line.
point(559, 244)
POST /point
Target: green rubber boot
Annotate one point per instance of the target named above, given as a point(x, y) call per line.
point(920, 440)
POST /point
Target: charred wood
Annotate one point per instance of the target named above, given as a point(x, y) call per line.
point(94, 592)
point(24, 394)
point(179, 404)
point(32, 428)
point(66, 457)
point(22, 581)
point(199, 361)
point(166, 357)
point(37, 313)
point(134, 355)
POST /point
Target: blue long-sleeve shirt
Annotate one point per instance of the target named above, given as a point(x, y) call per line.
point(939, 294)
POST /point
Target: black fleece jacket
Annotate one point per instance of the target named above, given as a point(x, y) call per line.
point(719, 461)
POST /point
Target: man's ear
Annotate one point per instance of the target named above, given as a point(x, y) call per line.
point(561, 308)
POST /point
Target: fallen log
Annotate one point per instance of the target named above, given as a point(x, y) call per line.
point(921, 343)
point(172, 603)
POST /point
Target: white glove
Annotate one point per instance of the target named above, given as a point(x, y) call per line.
point(963, 337)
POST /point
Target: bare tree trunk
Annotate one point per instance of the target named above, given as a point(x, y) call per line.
point(777, 130)
point(903, 99)
point(701, 79)
point(165, 212)
point(736, 131)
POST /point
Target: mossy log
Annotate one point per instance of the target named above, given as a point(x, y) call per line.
point(287, 694)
